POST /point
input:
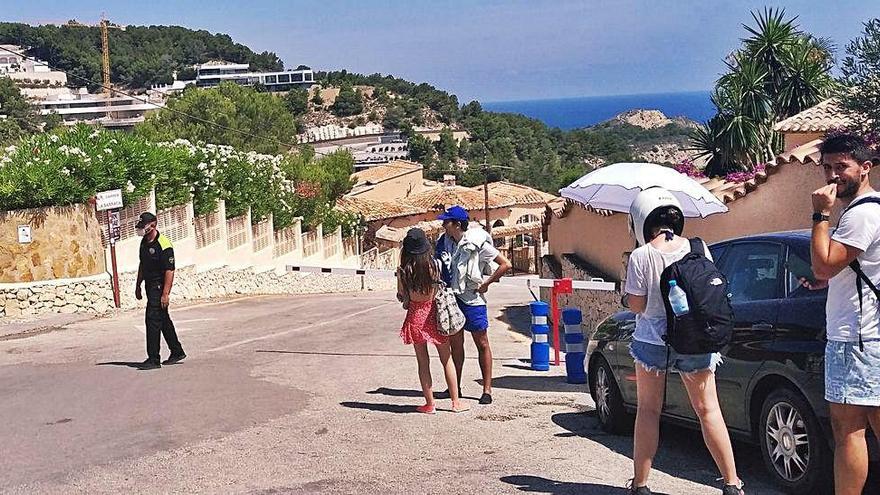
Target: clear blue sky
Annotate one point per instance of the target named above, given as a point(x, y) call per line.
point(488, 50)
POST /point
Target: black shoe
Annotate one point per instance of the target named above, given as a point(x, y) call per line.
point(642, 490)
point(149, 364)
point(732, 490)
point(485, 399)
point(172, 359)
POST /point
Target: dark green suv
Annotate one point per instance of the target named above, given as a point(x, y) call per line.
point(771, 385)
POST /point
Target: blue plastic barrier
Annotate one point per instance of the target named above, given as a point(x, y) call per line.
point(575, 347)
point(540, 336)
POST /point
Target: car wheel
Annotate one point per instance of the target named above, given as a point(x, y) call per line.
point(613, 417)
point(793, 447)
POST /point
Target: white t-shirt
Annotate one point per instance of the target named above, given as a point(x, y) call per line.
point(486, 253)
point(859, 228)
point(646, 264)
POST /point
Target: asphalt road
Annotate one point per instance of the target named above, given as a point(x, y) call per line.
point(307, 394)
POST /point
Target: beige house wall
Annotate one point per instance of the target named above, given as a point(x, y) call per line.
point(782, 203)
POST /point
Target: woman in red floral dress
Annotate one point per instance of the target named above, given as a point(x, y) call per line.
point(416, 282)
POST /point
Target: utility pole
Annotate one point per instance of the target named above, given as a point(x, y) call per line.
point(486, 197)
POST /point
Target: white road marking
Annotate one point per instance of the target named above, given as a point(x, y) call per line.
point(297, 329)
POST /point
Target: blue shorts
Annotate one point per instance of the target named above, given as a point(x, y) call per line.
point(476, 318)
point(652, 357)
point(852, 376)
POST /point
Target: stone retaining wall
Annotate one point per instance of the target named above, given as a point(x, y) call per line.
point(94, 294)
point(90, 294)
point(65, 243)
point(595, 305)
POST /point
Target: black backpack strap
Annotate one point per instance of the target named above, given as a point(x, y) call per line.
point(697, 246)
point(856, 267)
point(862, 278)
point(863, 201)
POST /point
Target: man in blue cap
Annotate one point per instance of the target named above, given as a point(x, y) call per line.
point(467, 257)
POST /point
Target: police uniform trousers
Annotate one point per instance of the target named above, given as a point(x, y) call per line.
point(158, 321)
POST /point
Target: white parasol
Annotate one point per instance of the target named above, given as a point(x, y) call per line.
point(614, 187)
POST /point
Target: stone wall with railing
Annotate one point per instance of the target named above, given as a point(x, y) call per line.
point(215, 257)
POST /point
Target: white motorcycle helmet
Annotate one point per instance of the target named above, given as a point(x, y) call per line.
point(646, 205)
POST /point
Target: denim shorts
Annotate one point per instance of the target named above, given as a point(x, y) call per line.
point(852, 376)
point(652, 357)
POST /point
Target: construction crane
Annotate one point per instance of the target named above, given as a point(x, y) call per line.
point(105, 26)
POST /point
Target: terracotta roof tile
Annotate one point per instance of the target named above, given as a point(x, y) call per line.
point(377, 210)
point(518, 194)
point(805, 153)
point(820, 118)
point(381, 173)
point(396, 234)
point(467, 198)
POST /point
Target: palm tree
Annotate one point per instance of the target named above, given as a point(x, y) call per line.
point(778, 72)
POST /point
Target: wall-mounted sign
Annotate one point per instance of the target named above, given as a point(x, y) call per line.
point(24, 234)
point(109, 200)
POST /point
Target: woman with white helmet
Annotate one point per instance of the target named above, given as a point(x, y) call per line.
point(656, 221)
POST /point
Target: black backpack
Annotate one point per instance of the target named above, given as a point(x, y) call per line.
point(708, 326)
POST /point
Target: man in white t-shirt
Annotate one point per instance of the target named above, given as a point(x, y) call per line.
point(467, 256)
point(852, 353)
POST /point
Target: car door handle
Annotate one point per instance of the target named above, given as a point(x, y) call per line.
point(762, 326)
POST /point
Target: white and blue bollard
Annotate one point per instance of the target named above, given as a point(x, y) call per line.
point(575, 348)
point(540, 336)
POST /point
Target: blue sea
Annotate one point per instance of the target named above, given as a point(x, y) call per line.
point(573, 113)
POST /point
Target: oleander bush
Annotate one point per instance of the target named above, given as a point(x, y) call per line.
point(71, 165)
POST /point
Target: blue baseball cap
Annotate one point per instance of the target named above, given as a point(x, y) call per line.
point(455, 213)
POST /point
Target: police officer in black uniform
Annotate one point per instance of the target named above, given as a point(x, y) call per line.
point(156, 271)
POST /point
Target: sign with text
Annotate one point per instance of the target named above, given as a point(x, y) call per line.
point(113, 224)
point(24, 234)
point(109, 200)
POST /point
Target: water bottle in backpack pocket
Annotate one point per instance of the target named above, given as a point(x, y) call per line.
point(678, 299)
point(699, 317)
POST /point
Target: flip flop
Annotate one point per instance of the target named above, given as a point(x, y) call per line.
point(426, 409)
point(461, 409)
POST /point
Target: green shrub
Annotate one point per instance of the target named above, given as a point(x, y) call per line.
point(70, 165)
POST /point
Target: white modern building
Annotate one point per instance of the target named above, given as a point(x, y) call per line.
point(213, 73)
point(369, 151)
point(31, 75)
point(116, 111)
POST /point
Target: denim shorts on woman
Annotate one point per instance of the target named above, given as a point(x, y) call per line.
point(652, 357)
point(852, 376)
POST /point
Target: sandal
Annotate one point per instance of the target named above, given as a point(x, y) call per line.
point(426, 409)
point(461, 408)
